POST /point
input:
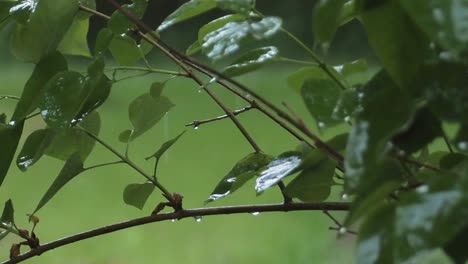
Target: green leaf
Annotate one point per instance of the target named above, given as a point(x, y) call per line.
point(10, 135)
point(338, 142)
point(236, 6)
point(49, 19)
point(320, 97)
point(297, 79)
point(70, 140)
point(33, 148)
point(73, 166)
point(164, 147)
point(455, 248)
point(325, 19)
point(442, 20)
point(244, 170)
point(424, 128)
point(398, 43)
point(226, 40)
point(137, 194)
point(349, 104)
point(75, 42)
point(8, 214)
point(5, 13)
point(156, 89)
point(314, 183)
point(374, 126)
point(251, 61)
point(284, 165)
point(125, 50)
point(35, 86)
point(217, 24)
point(145, 112)
point(355, 72)
point(21, 10)
point(3, 234)
point(193, 49)
point(64, 96)
point(186, 11)
point(103, 40)
point(119, 23)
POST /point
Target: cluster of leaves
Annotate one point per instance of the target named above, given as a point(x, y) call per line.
point(406, 200)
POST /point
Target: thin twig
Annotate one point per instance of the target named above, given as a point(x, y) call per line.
point(447, 141)
point(145, 69)
point(104, 164)
point(339, 226)
point(197, 123)
point(329, 206)
point(12, 97)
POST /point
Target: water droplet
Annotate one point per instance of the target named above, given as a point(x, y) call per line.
point(213, 80)
point(360, 95)
point(231, 180)
point(462, 145)
point(200, 90)
point(255, 213)
point(196, 127)
point(422, 189)
point(344, 196)
point(401, 153)
point(347, 119)
point(342, 230)
point(198, 219)
point(173, 220)
point(12, 123)
point(321, 125)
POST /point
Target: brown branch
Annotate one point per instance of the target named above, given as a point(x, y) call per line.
point(154, 40)
point(197, 123)
point(329, 206)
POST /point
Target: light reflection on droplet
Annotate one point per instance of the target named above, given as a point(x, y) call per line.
point(463, 145)
point(342, 230)
point(344, 196)
point(173, 220)
point(198, 219)
point(255, 213)
point(196, 127)
point(347, 119)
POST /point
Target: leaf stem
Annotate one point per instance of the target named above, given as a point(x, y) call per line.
point(447, 141)
point(146, 69)
point(12, 97)
point(288, 207)
point(103, 165)
point(288, 60)
point(197, 123)
point(133, 165)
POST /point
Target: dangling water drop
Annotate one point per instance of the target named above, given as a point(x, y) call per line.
point(321, 125)
point(173, 220)
point(255, 213)
point(198, 219)
point(344, 196)
point(196, 127)
point(347, 119)
point(342, 230)
point(462, 145)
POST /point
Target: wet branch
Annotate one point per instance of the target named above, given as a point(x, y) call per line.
point(181, 214)
point(197, 123)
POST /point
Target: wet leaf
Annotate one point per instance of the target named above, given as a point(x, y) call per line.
point(374, 126)
point(9, 138)
point(145, 112)
point(251, 61)
point(35, 86)
point(217, 24)
point(125, 50)
point(186, 11)
point(355, 72)
point(33, 148)
point(325, 19)
point(137, 194)
point(280, 167)
point(67, 141)
point(193, 49)
point(164, 147)
point(349, 104)
point(314, 183)
point(64, 96)
point(73, 166)
point(445, 21)
point(237, 6)
point(8, 214)
point(49, 19)
point(119, 23)
point(402, 58)
point(297, 79)
point(103, 40)
point(5, 13)
point(75, 42)
point(461, 139)
point(227, 39)
point(244, 170)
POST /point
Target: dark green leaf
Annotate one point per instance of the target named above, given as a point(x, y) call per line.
point(186, 11)
point(374, 126)
point(164, 147)
point(284, 165)
point(33, 148)
point(137, 194)
point(73, 140)
point(325, 19)
point(156, 89)
point(5, 13)
point(49, 19)
point(9, 137)
point(251, 61)
point(125, 50)
point(227, 39)
point(74, 42)
point(400, 46)
point(8, 214)
point(103, 40)
point(314, 183)
point(236, 6)
point(35, 86)
point(338, 142)
point(22, 10)
point(73, 166)
point(119, 23)
point(244, 170)
point(349, 104)
point(355, 72)
point(144, 112)
point(455, 249)
point(64, 96)
point(443, 20)
point(320, 96)
point(424, 128)
point(3, 118)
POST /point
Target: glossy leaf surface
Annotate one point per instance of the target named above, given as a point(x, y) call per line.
point(33, 148)
point(280, 167)
point(251, 61)
point(186, 11)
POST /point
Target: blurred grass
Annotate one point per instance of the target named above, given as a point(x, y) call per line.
point(192, 167)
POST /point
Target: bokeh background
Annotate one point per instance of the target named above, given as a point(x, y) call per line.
point(192, 167)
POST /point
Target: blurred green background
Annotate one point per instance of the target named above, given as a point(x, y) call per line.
point(192, 167)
